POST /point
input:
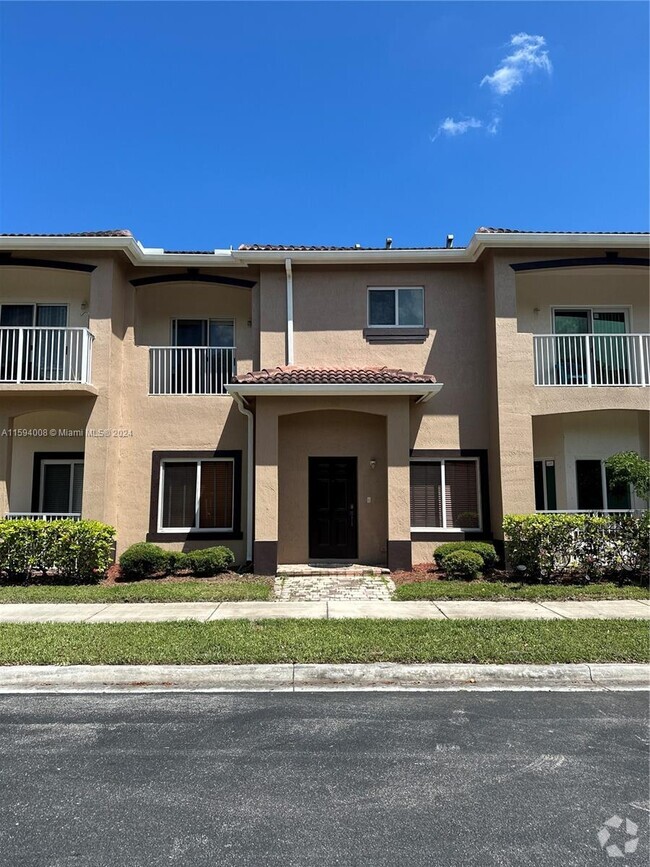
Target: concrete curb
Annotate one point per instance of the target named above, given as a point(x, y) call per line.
point(321, 678)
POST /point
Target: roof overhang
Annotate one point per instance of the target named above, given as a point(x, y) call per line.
point(424, 391)
point(480, 241)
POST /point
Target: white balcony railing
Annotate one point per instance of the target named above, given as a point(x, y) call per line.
point(190, 369)
point(588, 511)
point(45, 355)
point(44, 516)
point(592, 359)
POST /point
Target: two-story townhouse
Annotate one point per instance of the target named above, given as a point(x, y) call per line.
point(307, 404)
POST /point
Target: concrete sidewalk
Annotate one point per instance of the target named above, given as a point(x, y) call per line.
point(142, 612)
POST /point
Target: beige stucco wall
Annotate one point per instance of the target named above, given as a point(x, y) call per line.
point(158, 304)
point(481, 320)
point(173, 422)
point(24, 447)
point(586, 435)
point(332, 434)
point(47, 286)
point(272, 456)
point(512, 299)
point(539, 291)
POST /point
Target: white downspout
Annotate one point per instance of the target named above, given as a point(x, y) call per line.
point(287, 267)
point(241, 406)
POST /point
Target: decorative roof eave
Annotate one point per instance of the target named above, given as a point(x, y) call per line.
point(422, 390)
point(150, 256)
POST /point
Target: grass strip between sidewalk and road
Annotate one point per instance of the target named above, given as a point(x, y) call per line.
point(141, 591)
point(275, 641)
point(479, 590)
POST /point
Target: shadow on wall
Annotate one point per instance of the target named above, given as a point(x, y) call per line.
point(459, 359)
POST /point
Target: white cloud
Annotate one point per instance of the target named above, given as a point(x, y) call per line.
point(493, 126)
point(452, 127)
point(529, 54)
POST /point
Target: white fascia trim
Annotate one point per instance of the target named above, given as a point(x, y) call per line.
point(136, 253)
point(483, 240)
point(477, 245)
point(139, 255)
point(424, 391)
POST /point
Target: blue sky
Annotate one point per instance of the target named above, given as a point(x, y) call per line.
point(201, 125)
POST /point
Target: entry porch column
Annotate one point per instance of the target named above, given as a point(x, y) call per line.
point(399, 494)
point(265, 547)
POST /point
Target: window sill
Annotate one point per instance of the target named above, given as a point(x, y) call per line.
point(421, 534)
point(194, 536)
point(383, 334)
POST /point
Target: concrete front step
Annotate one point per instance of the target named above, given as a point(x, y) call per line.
point(310, 570)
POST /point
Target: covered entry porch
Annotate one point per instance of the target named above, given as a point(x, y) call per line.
point(332, 466)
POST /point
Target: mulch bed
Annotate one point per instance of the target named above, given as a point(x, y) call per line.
point(113, 576)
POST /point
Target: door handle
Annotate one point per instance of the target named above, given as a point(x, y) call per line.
point(352, 516)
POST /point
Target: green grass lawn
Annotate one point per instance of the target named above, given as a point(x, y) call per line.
point(514, 590)
point(141, 591)
point(268, 641)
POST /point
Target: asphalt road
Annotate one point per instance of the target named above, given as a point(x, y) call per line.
point(323, 779)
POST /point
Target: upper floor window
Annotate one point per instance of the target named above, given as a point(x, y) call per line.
point(396, 306)
point(589, 321)
point(203, 332)
point(29, 315)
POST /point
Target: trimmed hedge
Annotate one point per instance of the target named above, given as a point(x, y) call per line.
point(463, 565)
point(77, 551)
point(590, 546)
point(146, 560)
point(205, 562)
point(485, 550)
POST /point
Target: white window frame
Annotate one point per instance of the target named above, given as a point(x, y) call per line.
point(443, 486)
point(626, 310)
point(395, 290)
point(197, 502)
point(71, 462)
point(545, 462)
point(207, 319)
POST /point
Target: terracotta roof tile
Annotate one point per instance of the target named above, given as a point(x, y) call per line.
point(318, 248)
point(106, 233)
point(492, 230)
point(332, 375)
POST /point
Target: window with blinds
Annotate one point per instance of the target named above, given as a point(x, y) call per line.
point(197, 495)
point(61, 486)
point(445, 495)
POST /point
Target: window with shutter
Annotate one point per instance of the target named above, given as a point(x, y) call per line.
point(426, 495)
point(216, 494)
point(61, 486)
point(197, 495)
point(461, 495)
point(445, 495)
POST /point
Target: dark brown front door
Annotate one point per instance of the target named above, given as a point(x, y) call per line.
point(332, 508)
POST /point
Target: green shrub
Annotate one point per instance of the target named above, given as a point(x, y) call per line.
point(205, 562)
point(144, 560)
point(485, 550)
point(77, 551)
point(592, 546)
point(461, 564)
point(176, 561)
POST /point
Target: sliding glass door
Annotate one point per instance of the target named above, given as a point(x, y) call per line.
point(588, 349)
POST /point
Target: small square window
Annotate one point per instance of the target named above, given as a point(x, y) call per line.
point(395, 307)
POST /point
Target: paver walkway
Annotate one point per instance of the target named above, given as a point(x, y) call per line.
point(318, 586)
point(332, 609)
